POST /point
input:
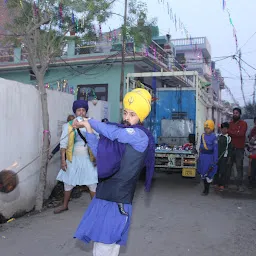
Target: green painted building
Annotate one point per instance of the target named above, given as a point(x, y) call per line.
point(92, 68)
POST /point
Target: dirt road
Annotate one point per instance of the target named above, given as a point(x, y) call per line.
point(173, 220)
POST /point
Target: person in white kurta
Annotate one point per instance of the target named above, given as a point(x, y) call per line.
point(81, 171)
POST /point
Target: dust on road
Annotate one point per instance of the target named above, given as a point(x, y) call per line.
point(173, 220)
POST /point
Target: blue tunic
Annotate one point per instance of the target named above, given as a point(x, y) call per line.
point(102, 221)
point(208, 156)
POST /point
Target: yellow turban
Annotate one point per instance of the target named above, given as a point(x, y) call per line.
point(209, 124)
point(139, 101)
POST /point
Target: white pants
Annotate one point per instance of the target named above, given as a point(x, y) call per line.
point(100, 249)
point(91, 187)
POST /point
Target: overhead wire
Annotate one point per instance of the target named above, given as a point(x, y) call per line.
point(248, 40)
point(248, 64)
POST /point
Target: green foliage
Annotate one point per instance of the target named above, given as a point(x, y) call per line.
point(41, 29)
point(89, 10)
point(139, 26)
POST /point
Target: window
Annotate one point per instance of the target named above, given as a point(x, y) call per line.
point(179, 115)
point(88, 91)
point(32, 75)
point(180, 57)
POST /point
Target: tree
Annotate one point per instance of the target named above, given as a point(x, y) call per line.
point(138, 28)
point(249, 111)
point(42, 30)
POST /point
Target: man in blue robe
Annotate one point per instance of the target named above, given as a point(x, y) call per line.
point(208, 156)
point(121, 153)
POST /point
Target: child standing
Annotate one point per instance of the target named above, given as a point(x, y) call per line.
point(225, 153)
point(208, 155)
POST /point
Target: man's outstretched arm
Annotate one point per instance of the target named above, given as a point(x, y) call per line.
point(133, 136)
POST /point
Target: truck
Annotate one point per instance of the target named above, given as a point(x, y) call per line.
point(177, 117)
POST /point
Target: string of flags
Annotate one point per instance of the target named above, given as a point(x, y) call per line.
point(224, 6)
point(21, 4)
point(78, 24)
point(179, 25)
point(63, 86)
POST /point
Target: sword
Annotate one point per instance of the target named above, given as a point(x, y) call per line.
point(121, 209)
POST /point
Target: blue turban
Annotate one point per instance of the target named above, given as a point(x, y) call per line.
point(80, 104)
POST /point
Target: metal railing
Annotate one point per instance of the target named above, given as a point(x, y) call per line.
point(202, 68)
point(154, 51)
point(7, 55)
point(189, 41)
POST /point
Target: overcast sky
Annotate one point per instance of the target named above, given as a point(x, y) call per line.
point(207, 18)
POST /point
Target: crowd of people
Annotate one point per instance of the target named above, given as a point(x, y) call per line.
point(108, 157)
point(219, 153)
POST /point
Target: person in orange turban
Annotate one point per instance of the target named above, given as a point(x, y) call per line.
point(208, 155)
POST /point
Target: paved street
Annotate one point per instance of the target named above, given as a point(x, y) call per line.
point(173, 220)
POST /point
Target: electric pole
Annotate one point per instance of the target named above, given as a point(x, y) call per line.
point(254, 89)
point(123, 52)
point(241, 75)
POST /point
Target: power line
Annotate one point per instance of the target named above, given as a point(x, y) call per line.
point(254, 91)
point(248, 64)
point(237, 78)
point(248, 40)
point(249, 52)
point(99, 63)
point(241, 75)
point(85, 72)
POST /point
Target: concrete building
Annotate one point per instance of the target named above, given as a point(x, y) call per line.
point(195, 54)
point(89, 69)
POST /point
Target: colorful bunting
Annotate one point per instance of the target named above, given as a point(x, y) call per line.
point(175, 21)
point(60, 15)
point(73, 18)
point(223, 4)
point(179, 25)
point(234, 29)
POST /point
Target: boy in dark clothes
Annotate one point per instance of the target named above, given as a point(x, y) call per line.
point(224, 156)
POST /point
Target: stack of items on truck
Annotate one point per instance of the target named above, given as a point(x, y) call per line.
point(177, 118)
point(179, 114)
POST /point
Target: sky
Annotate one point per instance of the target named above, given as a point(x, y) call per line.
point(207, 18)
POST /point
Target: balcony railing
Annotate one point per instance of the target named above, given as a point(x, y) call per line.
point(191, 43)
point(7, 55)
point(202, 68)
point(89, 49)
point(156, 52)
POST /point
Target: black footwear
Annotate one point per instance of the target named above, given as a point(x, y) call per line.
point(205, 192)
